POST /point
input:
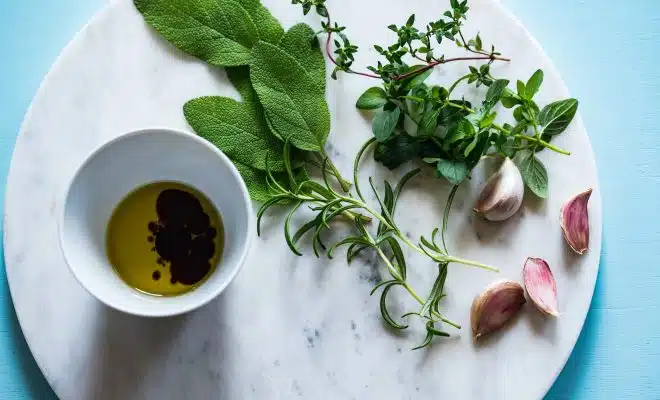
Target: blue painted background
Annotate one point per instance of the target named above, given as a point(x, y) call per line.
point(607, 52)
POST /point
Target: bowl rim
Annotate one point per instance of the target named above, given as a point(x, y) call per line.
point(221, 285)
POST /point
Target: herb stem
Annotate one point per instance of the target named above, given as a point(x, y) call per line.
point(455, 84)
point(461, 106)
point(544, 144)
point(410, 290)
point(345, 185)
point(535, 139)
point(471, 263)
point(436, 62)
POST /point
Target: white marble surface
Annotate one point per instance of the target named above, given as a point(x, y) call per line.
point(288, 327)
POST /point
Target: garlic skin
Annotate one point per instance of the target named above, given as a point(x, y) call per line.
point(493, 308)
point(503, 194)
point(540, 286)
point(574, 221)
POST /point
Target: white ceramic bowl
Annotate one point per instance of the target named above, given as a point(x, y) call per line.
point(126, 163)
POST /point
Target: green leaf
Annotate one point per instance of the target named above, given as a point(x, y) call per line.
point(301, 42)
point(436, 290)
point(463, 129)
point(268, 26)
point(534, 175)
point(487, 120)
point(384, 123)
point(291, 98)
point(255, 180)
point(533, 84)
point(518, 113)
point(429, 121)
point(417, 78)
point(472, 145)
point(520, 85)
point(494, 93)
point(508, 147)
point(509, 99)
point(396, 151)
point(454, 171)
point(372, 99)
point(220, 32)
point(238, 129)
point(240, 78)
point(557, 116)
point(481, 143)
point(383, 308)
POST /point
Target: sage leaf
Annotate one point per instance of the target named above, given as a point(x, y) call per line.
point(240, 79)
point(557, 116)
point(268, 26)
point(533, 84)
point(372, 99)
point(238, 129)
point(255, 181)
point(384, 123)
point(292, 101)
point(454, 171)
point(301, 43)
point(220, 32)
point(534, 175)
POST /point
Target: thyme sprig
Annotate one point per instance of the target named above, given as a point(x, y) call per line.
point(419, 44)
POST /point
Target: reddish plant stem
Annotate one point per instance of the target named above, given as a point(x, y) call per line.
point(417, 71)
point(329, 53)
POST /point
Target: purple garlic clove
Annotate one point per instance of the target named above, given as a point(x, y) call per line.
point(492, 309)
point(574, 221)
point(540, 286)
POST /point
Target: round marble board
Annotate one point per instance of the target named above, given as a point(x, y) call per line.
point(288, 326)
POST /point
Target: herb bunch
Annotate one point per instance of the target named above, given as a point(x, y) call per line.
point(448, 133)
point(386, 241)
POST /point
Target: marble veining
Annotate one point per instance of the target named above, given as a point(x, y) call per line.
point(288, 327)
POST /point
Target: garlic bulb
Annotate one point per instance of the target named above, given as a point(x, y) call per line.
point(540, 286)
point(574, 221)
point(503, 193)
point(491, 310)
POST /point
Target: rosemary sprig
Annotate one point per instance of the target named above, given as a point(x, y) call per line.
point(386, 241)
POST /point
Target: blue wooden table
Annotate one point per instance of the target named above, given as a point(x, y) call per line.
point(608, 53)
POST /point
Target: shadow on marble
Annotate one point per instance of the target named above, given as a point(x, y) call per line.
point(168, 346)
point(568, 383)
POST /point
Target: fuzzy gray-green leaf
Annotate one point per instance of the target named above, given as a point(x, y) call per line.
point(220, 32)
point(268, 26)
point(238, 129)
point(301, 43)
point(293, 102)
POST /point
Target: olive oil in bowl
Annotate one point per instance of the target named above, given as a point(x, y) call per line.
point(165, 239)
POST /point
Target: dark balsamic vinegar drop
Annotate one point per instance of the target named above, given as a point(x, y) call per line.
point(164, 238)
